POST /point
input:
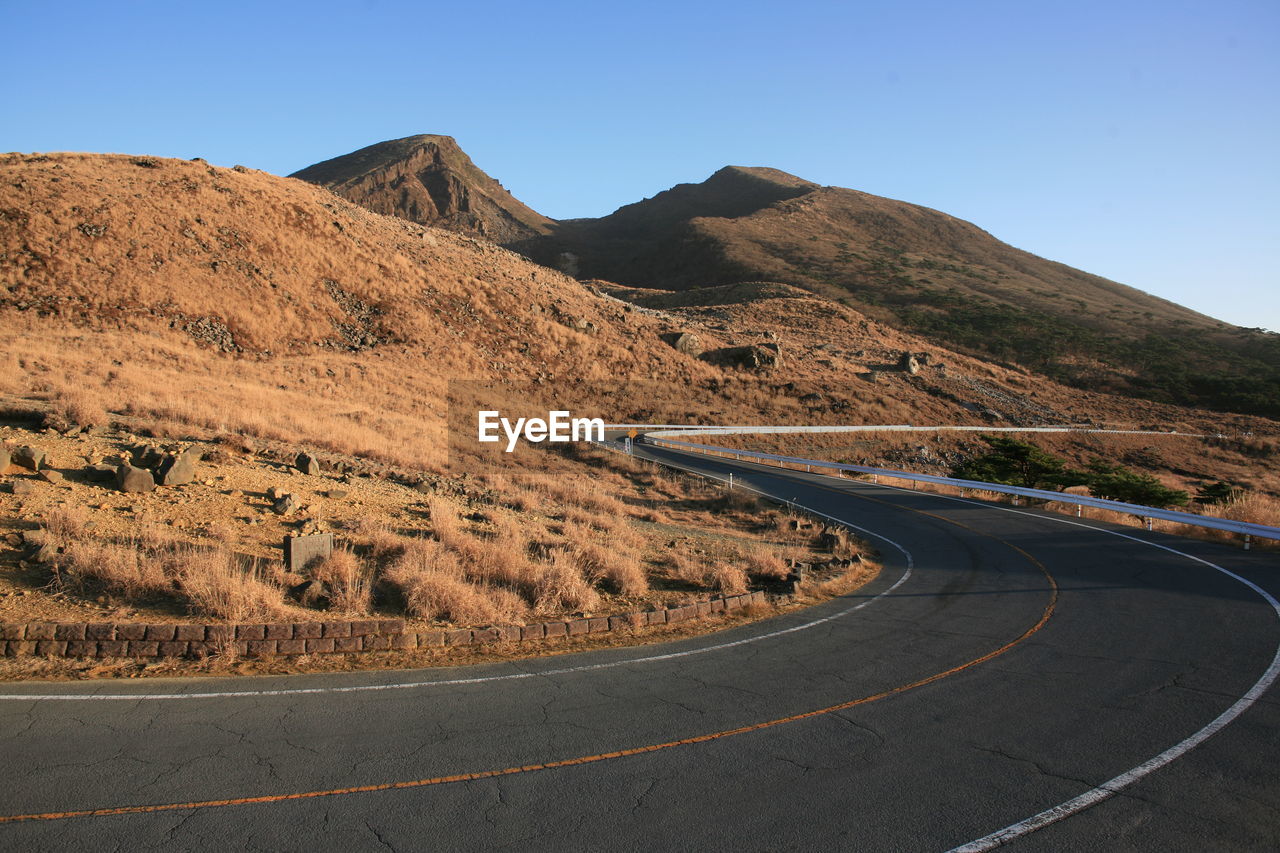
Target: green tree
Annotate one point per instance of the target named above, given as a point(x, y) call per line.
point(1019, 463)
point(1218, 493)
point(1117, 483)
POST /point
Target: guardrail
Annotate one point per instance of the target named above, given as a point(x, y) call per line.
point(1243, 528)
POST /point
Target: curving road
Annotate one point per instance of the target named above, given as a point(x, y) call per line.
point(1004, 663)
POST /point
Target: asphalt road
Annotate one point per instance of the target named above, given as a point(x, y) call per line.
point(1002, 664)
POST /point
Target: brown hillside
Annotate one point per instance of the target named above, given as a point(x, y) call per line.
point(924, 271)
point(428, 179)
point(252, 316)
point(233, 299)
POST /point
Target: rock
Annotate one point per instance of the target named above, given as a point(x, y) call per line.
point(750, 356)
point(176, 470)
point(284, 505)
point(23, 487)
point(132, 479)
point(684, 342)
point(44, 554)
point(307, 464)
point(193, 453)
point(145, 456)
point(833, 538)
point(29, 457)
point(336, 494)
point(275, 493)
point(99, 473)
point(312, 593)
point(50, 476)
point(907, 363)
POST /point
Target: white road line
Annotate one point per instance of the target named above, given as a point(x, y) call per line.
point(362, 688)
point(1113, 786)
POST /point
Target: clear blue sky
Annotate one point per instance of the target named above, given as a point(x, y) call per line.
point(1135, 140)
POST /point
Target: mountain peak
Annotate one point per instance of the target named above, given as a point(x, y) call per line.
point(759, 173)
point(428, 179)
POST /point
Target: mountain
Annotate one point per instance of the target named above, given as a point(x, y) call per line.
point(428, 179)
point(195, 298)
point(923, 271)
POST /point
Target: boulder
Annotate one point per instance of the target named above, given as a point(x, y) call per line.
point(132, 479)
point(29, 457)
point(22, 487)
point(146, 456)
point(99, 473)
point(750, 356)
point(685, 342)
point(307, 464)
point(176, 470)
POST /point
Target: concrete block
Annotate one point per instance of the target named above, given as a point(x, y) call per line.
point(301, 551)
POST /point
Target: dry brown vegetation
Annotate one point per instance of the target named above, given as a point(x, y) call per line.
point(259, 315)
point(562, 540)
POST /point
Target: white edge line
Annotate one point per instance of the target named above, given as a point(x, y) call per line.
point(362, 688)
point(1113, 786)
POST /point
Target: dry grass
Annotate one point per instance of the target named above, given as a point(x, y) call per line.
point(349, 581)
point(123, 568)
point(154, 563)
point(561, 586)
point(727, 579)
point(217, 584)
point(767, 562)
point(429, 577)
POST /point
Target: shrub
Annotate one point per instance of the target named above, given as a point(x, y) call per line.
point(1117, 483)
point(349, 581)
point(216, 584)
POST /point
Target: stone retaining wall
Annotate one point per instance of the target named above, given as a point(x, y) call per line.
point(132, 640)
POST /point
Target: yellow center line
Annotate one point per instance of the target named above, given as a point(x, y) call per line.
point(603, 756)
